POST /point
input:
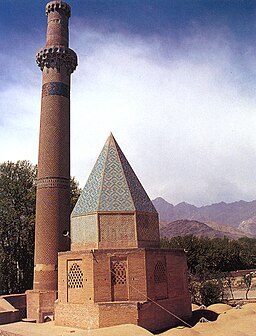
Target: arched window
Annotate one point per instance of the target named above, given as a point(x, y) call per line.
point(160, 273)
point(75, 277)
point(118, 274)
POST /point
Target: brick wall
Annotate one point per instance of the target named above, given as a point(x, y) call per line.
point(168, 286)
point(84, 293)
point(148, 229)
point(117, 313)
point(77, 315)
point(40, 304)
point(102, 277)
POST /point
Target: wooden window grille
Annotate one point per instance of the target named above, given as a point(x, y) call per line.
point(75, 277)
point(118, 274)
point(160, 273)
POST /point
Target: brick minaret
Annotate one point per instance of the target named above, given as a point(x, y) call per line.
point(57, 62)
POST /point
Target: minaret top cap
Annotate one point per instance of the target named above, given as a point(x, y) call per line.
point(58, 6)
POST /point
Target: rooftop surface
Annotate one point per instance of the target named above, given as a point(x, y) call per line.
point(231, 322)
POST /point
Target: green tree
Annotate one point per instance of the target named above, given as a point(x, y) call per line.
point(75, 192)
point(205, 255)
point(17, 221)
point(211, 292)
point(17, 216)
point(210, 261)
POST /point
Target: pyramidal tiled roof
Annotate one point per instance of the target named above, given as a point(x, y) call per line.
point(112, 185)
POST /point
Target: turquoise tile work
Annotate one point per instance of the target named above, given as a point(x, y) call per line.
point(112, 185)
point(89, 198)
point(84, 229)
point(115, 195)
point(140, 198)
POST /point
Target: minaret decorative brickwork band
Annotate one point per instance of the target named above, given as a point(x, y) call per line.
point(57, 62)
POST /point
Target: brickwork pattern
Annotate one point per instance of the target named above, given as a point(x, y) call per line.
point(144, 270)
point(57, 27)
point(137, 275)
point(77, 315)
point(116, 314)
point(83, 294)
point(115, 227)
point(148, 227)
point(84, 229)
point(52, 218)
point(84, 246)
point(102, 277)
point(57, 62)
point(40, 303)
point(54, 141)
point(52, 75)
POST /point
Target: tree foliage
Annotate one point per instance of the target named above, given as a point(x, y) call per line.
point(211, 292)
point(75, 192)
point(17, 215)
point(210, 261)
point(205, 255)
point(17, 221)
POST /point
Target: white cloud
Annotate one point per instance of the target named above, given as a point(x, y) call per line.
point(178, 111)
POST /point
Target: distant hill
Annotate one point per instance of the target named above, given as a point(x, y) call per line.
point(248, 226)
point(185, 227)
point(232, 214)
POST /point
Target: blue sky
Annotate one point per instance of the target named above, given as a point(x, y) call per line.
point(173, 80)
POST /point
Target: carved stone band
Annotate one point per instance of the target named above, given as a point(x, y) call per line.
point(57, 57)
point(58, 6)
point(55, 89)
point(53, 182)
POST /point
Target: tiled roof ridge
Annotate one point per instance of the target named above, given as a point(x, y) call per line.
point(103, 171)
point(125, 177)
point(112, 185)
point(137, 179)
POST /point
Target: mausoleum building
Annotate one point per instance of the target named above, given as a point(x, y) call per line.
point(115, 272)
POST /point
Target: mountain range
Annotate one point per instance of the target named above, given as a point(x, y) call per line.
point(233, 220)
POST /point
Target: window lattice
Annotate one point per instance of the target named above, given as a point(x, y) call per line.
point(75, 277)
point(118, 273)
point(159, 273)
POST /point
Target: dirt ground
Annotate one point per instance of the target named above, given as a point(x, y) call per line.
point(231, 322)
